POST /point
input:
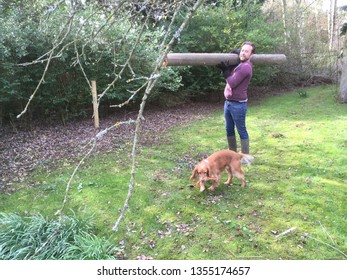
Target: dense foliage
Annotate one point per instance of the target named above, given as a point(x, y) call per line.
point(230, 28)
point(66, 44)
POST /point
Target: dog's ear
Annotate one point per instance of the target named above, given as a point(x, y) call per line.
point(194, 174)
point(208, 172)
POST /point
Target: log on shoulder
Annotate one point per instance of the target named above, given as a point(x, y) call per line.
point(190, 59)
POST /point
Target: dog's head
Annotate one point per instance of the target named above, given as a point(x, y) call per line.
point(201, 170)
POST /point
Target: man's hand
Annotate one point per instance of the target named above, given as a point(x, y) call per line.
point(224, 66)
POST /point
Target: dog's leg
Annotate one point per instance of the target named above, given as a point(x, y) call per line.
point(230, 180)
point(202, 186)
point(215, 183)
point(230, 176)
point(240, 176)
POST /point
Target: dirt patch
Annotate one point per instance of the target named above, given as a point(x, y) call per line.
point(23, 151)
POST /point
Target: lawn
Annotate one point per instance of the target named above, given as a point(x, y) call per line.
point(297, 181)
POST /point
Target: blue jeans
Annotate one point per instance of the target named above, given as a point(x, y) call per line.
point(235, 115)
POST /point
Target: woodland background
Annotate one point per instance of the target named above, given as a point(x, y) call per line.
point(64, 184)
point(55, 48)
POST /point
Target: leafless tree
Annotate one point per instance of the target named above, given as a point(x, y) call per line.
point(115, 12)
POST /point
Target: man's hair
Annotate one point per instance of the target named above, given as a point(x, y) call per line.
point(249, 43)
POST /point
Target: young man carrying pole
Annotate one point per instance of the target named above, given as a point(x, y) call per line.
point(236, 97)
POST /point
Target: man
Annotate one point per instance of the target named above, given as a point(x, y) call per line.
point(236, 97)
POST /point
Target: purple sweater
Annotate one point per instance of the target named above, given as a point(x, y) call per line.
point(239, 81)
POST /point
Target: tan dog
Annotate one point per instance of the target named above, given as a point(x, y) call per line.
point(212, 167)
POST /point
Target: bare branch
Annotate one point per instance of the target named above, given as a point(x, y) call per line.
point(126, 63)
point(149, 88)
point(51, 52)
point(131, 97)
point(93, 142)
point(128, 12)
point(81, 66)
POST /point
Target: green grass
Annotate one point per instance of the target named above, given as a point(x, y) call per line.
point(293, 140)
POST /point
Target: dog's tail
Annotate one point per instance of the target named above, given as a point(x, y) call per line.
point(246, 159)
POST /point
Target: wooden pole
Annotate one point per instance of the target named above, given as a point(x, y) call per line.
point(95, 105)
point(190, 59)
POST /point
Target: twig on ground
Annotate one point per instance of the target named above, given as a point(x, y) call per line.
point(286, 232)
point(326, 232)
point(307, 235)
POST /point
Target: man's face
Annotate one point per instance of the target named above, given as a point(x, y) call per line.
point(246, 53)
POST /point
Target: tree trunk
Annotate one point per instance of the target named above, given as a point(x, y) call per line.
point(332, 23)
point(284, 20)
point(343, 80)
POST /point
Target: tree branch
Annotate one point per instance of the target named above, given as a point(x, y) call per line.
point(92, 141)
point(149, 88)
point(51, 52)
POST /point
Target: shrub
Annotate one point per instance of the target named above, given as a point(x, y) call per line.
point(38, 238)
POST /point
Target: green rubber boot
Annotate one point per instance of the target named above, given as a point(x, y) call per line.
point(232, 143)
point(245, 146)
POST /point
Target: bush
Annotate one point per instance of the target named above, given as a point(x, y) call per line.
point(37, 238)
point(30, 32)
